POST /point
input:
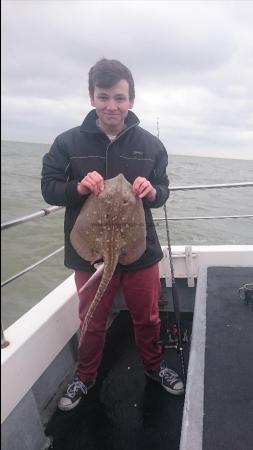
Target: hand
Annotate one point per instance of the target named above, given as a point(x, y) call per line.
point(143, 188)
point(93, 183)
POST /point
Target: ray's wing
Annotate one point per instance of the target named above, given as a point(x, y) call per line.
point(86, 235)
point(133, 233)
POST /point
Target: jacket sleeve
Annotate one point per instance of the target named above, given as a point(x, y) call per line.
point(159, 180)
point(56, 187)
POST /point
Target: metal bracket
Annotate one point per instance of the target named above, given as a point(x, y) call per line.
point(189, 266)
point(184, 266)
point(4, 342)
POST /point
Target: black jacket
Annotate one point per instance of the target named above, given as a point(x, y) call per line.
point(135, 152)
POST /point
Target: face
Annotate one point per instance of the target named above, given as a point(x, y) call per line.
point(112, 106)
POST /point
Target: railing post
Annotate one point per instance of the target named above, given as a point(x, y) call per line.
point(4, 342)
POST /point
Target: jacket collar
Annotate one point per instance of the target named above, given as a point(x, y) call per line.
point(89, 124)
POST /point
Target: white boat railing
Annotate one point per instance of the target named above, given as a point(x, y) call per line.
point(43, 212)
point(46, 211)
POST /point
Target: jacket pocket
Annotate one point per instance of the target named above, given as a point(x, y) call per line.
point(134, 167)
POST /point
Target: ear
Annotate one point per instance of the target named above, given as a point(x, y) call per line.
point(131, 103)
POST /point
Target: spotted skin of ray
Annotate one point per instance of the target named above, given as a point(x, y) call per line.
point(110, 227)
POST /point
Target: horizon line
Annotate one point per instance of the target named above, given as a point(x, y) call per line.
point(196, 155)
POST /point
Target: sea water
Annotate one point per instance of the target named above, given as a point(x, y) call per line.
point(25, 244)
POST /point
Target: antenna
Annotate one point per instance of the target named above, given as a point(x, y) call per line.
point(157, 127)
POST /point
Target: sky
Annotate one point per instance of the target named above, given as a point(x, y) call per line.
point(192, 62)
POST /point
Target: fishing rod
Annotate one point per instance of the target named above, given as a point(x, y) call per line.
point(175, 296)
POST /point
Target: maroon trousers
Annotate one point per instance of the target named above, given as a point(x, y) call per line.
point(141, 291)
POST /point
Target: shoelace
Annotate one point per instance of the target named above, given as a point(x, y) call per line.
point(74, 387)
point(168, 374)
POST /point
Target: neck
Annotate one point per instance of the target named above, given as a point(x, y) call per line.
point(114, 131)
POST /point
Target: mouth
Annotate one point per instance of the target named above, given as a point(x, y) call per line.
point(112, 115)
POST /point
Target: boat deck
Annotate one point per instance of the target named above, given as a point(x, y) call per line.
point(228, 391)
point(219, 399)
point(124, 410)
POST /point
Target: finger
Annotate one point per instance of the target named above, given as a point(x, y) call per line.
point(94, 181)
point(98, 186)
point(137, 184)
point(93, 177)
point(101, 185)
point(145, 186)
point(89, 183)
point(144, 192)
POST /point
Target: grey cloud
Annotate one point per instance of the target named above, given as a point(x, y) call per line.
point(191, 60)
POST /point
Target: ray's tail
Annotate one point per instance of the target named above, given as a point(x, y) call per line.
point(109, 268)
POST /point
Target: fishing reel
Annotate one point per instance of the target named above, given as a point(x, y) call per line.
point(246, 294)
point(171, 338)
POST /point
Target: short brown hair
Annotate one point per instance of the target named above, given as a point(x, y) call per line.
point(107, 72)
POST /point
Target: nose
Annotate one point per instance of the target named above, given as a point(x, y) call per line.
point(111, 104)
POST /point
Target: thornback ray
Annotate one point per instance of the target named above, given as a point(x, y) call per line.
point(110, 227)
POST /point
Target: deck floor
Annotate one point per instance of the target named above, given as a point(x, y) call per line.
point(124, 410)
point(228, 391)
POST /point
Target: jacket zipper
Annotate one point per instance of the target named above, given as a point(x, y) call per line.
point(110, 143)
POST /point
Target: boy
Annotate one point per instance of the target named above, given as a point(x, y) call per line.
point(110, 141)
